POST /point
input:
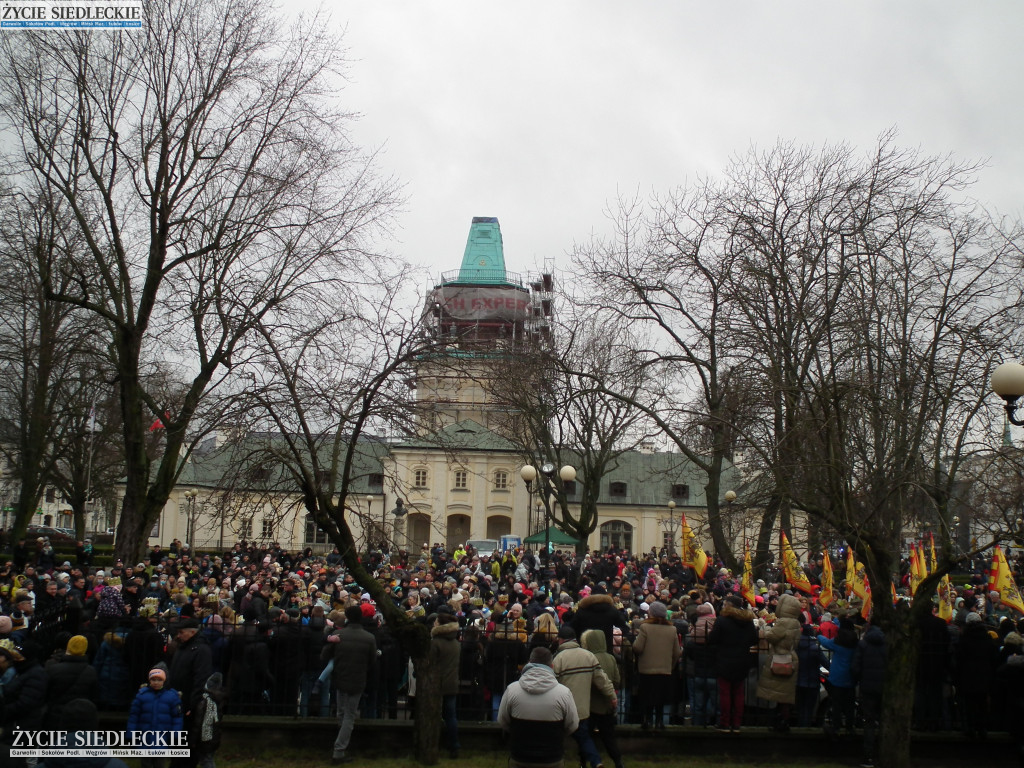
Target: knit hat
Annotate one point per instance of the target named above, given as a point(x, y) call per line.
point(159, 671)
point(77, 646)
point(1013, 639)
point(368, 610)
point(973, 618)
point(659, 611)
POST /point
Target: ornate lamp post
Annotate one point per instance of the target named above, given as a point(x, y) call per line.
point(1008, 382)
point(529, 474)
point(672, 528)
point(190, 522)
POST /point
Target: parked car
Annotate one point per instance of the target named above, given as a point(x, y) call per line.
point(56, 535)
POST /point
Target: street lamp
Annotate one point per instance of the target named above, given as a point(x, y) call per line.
point(672, 528)
point(538, 505)
point(1008, 382)
point(190, 522)
point(529, 474)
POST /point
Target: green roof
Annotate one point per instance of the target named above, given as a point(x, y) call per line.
point(484, 259)
point(465, 435)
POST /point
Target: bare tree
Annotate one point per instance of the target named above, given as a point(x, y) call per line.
point(204, 165)
point(863, 302)
point(322, 389)
point(553, 413)
point(48, 359)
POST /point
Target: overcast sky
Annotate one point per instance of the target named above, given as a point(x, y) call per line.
point(540, 113)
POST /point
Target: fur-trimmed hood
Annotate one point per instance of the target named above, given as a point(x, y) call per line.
point(740, 614)
point(592, 600)
point(447, 631)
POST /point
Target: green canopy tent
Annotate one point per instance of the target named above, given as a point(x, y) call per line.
point(554, 535)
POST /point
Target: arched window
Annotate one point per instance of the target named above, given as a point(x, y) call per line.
point(618, 534)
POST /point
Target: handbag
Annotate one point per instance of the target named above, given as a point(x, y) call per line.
point(781, 664)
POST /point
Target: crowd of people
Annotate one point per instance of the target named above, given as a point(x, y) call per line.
point(573, 645)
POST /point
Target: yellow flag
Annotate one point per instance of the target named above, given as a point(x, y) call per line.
point(747, 582)
point(856, 577)
point(851, 571)
point(827, 595)
point(791, 566)
point(692, 554)
point(1009, 594)
point(946, 599)
point(935, 563)
point(915, 577)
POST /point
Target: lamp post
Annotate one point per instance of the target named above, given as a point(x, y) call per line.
point(529, 474)
point(538, 505)
point(190, 523)
point(672, 528)
point(1008, 382)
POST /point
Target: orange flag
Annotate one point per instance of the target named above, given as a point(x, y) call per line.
point(791, 566)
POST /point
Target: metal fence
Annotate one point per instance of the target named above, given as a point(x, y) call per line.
point(277, 670)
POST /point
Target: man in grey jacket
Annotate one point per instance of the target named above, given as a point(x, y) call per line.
point(579, 670)
point(538, 711)
point(354, 651)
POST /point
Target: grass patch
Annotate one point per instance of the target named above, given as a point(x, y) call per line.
point(294, 758)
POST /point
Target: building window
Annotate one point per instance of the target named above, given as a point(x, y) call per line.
point(268, 528)
point(617, 489)
point(461, 479)
point(375, 480)
point(245, 528)
point(681, 491)
point(570, 487)
point(51, 495)
point(419, 478)
point(617, 534)
point(501, 480)
point(313, 535)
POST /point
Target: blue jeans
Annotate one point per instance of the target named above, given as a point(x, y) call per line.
point(585, 741)
point(495, 705)
point(307, 683)
point(451, 722)
point(705, 701)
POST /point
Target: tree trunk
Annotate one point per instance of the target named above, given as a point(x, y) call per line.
point(426, 733)
point(898, 698)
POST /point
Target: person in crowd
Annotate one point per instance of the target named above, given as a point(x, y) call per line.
point(112, 674)
point(602, 716)
point(975, 663)
point(444, 653)
point(156, 707)
point(733, 636)
point(354, 653)
point(579, 670)
point(70, 678)
point(209, 712)
point(657, 651)
point(191, 666)
point(869, 666)
point(777, 681)
point(808, 681)
point(702, 668)
point(537, 712)
point(841, 682)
